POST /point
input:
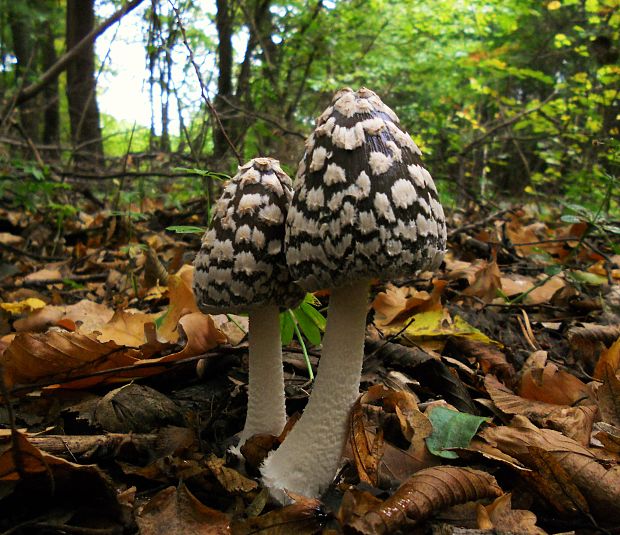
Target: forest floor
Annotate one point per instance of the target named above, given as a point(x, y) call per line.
point(490, 392)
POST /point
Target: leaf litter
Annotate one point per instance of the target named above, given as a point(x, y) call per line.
point(490, 395)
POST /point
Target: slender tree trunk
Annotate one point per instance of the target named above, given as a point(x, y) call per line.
point(51, 114)
point(24, 49)
point(224, 24)
point(81, 84)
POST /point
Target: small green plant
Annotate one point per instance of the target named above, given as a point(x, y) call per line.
point(304, 322)
point(186, 229)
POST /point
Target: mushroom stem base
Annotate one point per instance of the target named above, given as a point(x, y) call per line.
point(309, 457)
point(266, 408)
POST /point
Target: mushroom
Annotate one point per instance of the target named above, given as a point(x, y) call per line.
point(241, 267)
point(364, 207)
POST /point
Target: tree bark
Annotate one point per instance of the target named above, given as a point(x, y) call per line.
point(20, 21)
point(51, 98)
point(224, 24)
point(81, 84)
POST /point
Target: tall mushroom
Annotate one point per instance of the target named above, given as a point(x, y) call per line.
point(364, 207)
point(241, 267)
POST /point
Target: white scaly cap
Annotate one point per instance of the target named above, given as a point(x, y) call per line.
point(364, 206)
point(241, 263)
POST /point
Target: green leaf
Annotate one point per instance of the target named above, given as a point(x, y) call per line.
point(318, 318)
point(569, 218)
point(451, 429)
point(307, 327)
point(186, 229)
point(287, 328)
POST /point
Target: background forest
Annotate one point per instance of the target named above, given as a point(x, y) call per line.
point(511, 99)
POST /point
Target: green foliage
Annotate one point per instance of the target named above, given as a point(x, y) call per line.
point(451, 429)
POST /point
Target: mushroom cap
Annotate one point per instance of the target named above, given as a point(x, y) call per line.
point(364, 206)
point(241, 263)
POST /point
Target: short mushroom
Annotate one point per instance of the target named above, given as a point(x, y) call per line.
point(364, 207)
point(241, 268)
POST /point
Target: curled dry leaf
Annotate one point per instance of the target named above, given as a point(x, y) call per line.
point(552, 385)
point(366, 453)
point(501, 515)
point(489, 357)
point(609, 358)
point(231, 480)
point(599, 485)
point(304, 517)
point(397, 302)
point(126, 328)
point(608, 395)
point(486, 282)
point(178, 511)
point(59, 356)
point(588, 341)
point(574, 422)
point(424, 493)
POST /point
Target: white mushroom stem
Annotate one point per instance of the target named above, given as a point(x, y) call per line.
point(307, 461)
point(266, 409)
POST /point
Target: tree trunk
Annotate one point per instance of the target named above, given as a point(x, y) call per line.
point(51, 98)
point(81, 84)
point(20, 20)
point(224, 24)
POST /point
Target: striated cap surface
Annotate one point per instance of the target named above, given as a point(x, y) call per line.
point(241, 263)
point(363, 206)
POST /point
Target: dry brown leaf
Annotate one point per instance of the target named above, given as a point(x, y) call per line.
point(424, 493)
point(231, 480)
point(234, 327)
point(355, 504)
point(201, 335)
point(180, 512)
point(88, 314)
point(599, 485)
point(501, 515)
point(554, 483)
point(609, 358)
point(366, 453)
point(543, 294)
point(486, 282)
point(43, 275)
point(399, 302)
point(514, 284)
point(126, 328)
point(608, 395)
point(609, 436)
point(59, 356)
point(552, 385)
point(588, 341)
point(305, 517)
point(574, 422)
point(182, 301)
point(489, 357)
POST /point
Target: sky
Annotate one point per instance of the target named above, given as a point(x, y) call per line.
point(123, 83)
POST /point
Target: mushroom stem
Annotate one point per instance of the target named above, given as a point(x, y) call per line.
point(266, 408)
point(308, 458)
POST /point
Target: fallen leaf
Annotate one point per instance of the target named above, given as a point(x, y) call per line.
point(20, 307)
point(609, 358)
point(366, 453)
point(424, 493)
point(552, 385)
point(574, 422)
point(599, 485)
point(178, 511)
point(126, 328)
point(451, 429)
point(231, 480)
point(501, 515)
point(88, 314)
point(608, 395)
point(304, 517)
point(486, 283)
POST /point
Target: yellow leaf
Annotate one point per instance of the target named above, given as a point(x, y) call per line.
point(19, 307)
point(552, 6)
point(439, 324)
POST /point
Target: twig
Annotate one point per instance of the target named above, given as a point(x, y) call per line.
point(34, 256)
point(203, 91)
point(54, 71)
point(477, 224)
